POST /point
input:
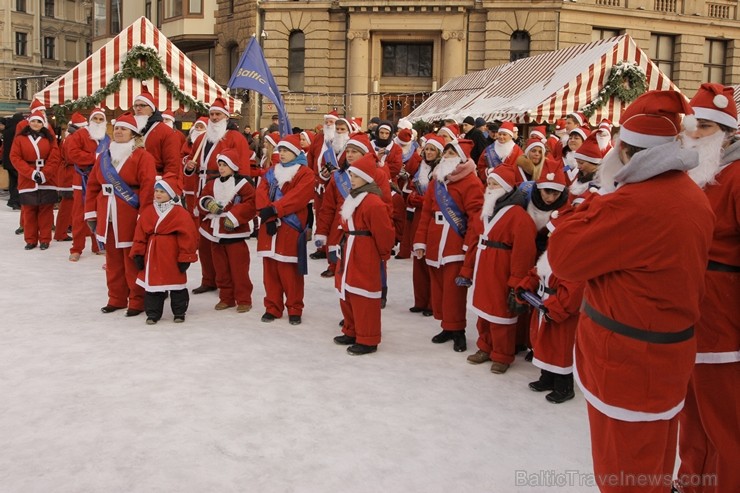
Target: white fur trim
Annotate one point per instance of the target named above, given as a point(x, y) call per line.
point(718, 358)
point(501, 181)
point(720, 101)
point(551, 185)
point(350, 204)
point(448, 131)
point(231, 164)
point(290, 147)
point(357, 144)
point(361, 174)
point(716, 116)
point(533, 145)
point(146, 101)
point(588, 159)
point(166, 187)
point(506, 131)
point(643, 140)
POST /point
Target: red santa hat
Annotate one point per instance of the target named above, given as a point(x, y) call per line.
point(147, 98)
point(37, 115)
point(590, 150)
point(462, 147)
point(653, 118)
point(356, 122)
point(557, 217)
point(230, 156)
point(98, 111)
point(204, 121)
point(37, 105)
point(583, 131)
point(405, 123)
point(507, 128)
point(404, 136)
point(127, 120)
point(346, 122)
point(552, 177)
point(580, 118)
point(605, 126)
point(539, 132)
point(219, 104)
point(78, 120)
point(168, 183)
point(308, 135)
point(532, 143)
point(273, 138)
point(291, 142)
point(332, 115)
point(168, 115)
point(450, 129)
point(365, 167)
point(504, 176)
point(361, 141)
point(436, 141)
point(716, 103)
point(559, 124)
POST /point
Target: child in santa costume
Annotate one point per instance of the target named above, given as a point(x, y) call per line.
point(164, 246)
point(503, 152)
point(368, 239)
point(227, 207)
point(452, 201)
point(495, 265)
point(281, 199)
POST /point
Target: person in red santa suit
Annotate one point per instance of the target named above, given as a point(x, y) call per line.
point(604, 136)
point(65, 180)
point(503, 152)
point(529, 165)
point(119, 187)
point(190, 182)
point(368, 237)
point(709, 437)
point(270, 155)
point(168, 118)
point(548, 194)
point(227, 207)
point(81, 150)
point(164, 246)
point(411, 160)
point(35, 156)
point(635, 345)
point(390, 154)
point(158, 138)
point(588, 157)
point(323, 160)
point(282, 196)
point(495, 265)
point(449, 132)
point(553, 146)
point(572, 121)
point(452, 202)
point(576, 138)
point(202, 162)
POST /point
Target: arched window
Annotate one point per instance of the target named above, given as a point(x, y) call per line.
point(296, 59)
point(519, 45)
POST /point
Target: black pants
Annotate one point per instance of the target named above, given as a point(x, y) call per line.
point(13, 187)
point(154, 303)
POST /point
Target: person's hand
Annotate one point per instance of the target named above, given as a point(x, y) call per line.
point(463, 282)
point(513, 305)
point(267, 212)
point(190, 166)
point(183, 266)
point(229, 224)
point(39, 177)
point(212, 206)
point(271, 228)
point(139, 261)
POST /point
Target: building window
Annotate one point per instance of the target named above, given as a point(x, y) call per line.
point(49, 8)
point(148, 9)
point(519, 47)
point(160, 13)
point(106, 18)
point(21, 44)
point(230, 7)
point(599, 33)
point(173, 8)
point(88, 49)
point(49, 48)
point(296, 61)
point(203, 59)
point(20, 5)
point(661, 52)
point(407, 60)
point(195, 6)
point(21, 89)
point(715, 52)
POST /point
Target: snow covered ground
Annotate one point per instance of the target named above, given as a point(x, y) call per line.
point(224, 403)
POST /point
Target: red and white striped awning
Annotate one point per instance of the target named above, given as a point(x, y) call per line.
point(541, 88)
point(736, 90)
point(94, 73)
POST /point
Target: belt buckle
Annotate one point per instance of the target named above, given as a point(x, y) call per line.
point(439, 218)
point(40, 163)
point(541, 290)
point(482, 242)
point(107, 189)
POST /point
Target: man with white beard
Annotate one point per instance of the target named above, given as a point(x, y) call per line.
point(499, 261)
point(503, 152)
point(81, 149)
point(190, 182)
point(157, 135)
point(709, 435)
point(202, 162)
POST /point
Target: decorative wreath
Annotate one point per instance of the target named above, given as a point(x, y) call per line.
point(626, 82)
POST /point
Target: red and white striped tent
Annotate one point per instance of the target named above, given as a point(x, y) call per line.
point(736, 90)
point(94, 73)
point(541, 88)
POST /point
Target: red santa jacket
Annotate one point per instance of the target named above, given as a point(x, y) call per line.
point(164, 239)
point(369, 239)
point(164, 147)
point(111, 212)
point(237, 199)
point(66, 171)
point(411, 167)
point(80, 150)
point(442, 245)
point(328, 220)
point(296, 193)
point(504, 253)
point(207, 167)
point(29, 155)
point(510, 160)
point(648, 246)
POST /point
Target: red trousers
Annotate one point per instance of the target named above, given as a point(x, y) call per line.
point(120, 275)
point(64, 218)
point(283, 287)
point(404, 248)
point(361, 318)
point(37, 222)
point(208, 273)
point(80, 231)
point(709, 437)
point(422, 283)
point(632, 457)
point(497, 340)
point(448, 300)
point(231, 262)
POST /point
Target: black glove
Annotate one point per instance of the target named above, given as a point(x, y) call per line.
point(267, 213)
point(331, 256)
point(271, 227)
point(409, 215)
point(139, 261)
point(93, 225)
point(183, 266)
point(514, 305)
point(463, 282)
point(38, 178)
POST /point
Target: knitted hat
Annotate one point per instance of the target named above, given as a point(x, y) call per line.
point(332, 115)
point(504, 176)
point(365, 167)
point(291, 142)
point(451, 130)
point(715, 102)
point(436, 141)
point(127, 120)
point(462, 147)
point(273, 138)
point(229, 156)
point(98, 111)
point(469, 120)
point(653, 118)
point(219, 104)
point(532, 143)
point(147, 98)
point(78, 120)
point(480, 122)
point(589, 150)
point(552, 177)
point(168, 183)
point(361, 141)
point(539, 132)
point(507, 128)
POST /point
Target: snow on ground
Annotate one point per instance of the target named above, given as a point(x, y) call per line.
point(224, 403)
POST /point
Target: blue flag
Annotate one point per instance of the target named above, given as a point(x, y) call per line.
point(253, 73)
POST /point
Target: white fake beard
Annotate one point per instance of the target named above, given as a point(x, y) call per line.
point(710, 155)
point(339, 142)
point(215, 131)
point(120, 152)
point(141, 121)
point(570, 160)
point(446, 166)
point(503, 150)
point(609, 167)
point(490, 197)
point(96, 130)
point(603, 140)
point(329, 132)
point(424, 170)
point(284, 174)
point(194, 134)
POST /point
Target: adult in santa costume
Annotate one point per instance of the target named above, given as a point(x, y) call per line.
point(368, 237)
point(411, 159)
point(164, 246)
point(452, 202)
point(227, 207)
point(709, 437)
point(588, 157)
point(65, 181)
point(529, 165)
point(202, 162)
point(168, 118)
point(281, 199)
point(635, 345)
point(576, 138)
point(503, 152)
point(158, 138)
point(119, 187)
point(190, 182)
point(390, 154)
point(495, 265)
point(35, 156)
point(604, 136)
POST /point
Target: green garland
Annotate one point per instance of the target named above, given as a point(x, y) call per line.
point(131, 69)
point(626, 82)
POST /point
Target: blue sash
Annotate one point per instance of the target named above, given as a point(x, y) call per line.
point(527, 187)
point(120, 187)
point(492, 158)
point(420, 189)
point(451, 212)
point(102, 147)
point(330, 159)
point(291, 220)
point(412, 148)
point(341, 179)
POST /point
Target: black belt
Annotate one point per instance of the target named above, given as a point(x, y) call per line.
point(632, 332)
point(720, 267)
point(359, 232)
point(550, 290)
point(495, 244)
point(209, 172)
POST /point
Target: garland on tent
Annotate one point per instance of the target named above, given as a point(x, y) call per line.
point(626, 82)
point(131, 69)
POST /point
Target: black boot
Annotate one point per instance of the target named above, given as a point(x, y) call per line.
point(344, 340)
point(460, 344)
point(563, 389)
point(545, 382)
point(444, 336)
point(360, 349)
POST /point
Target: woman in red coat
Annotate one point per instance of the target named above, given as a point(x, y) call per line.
point(35, 156)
